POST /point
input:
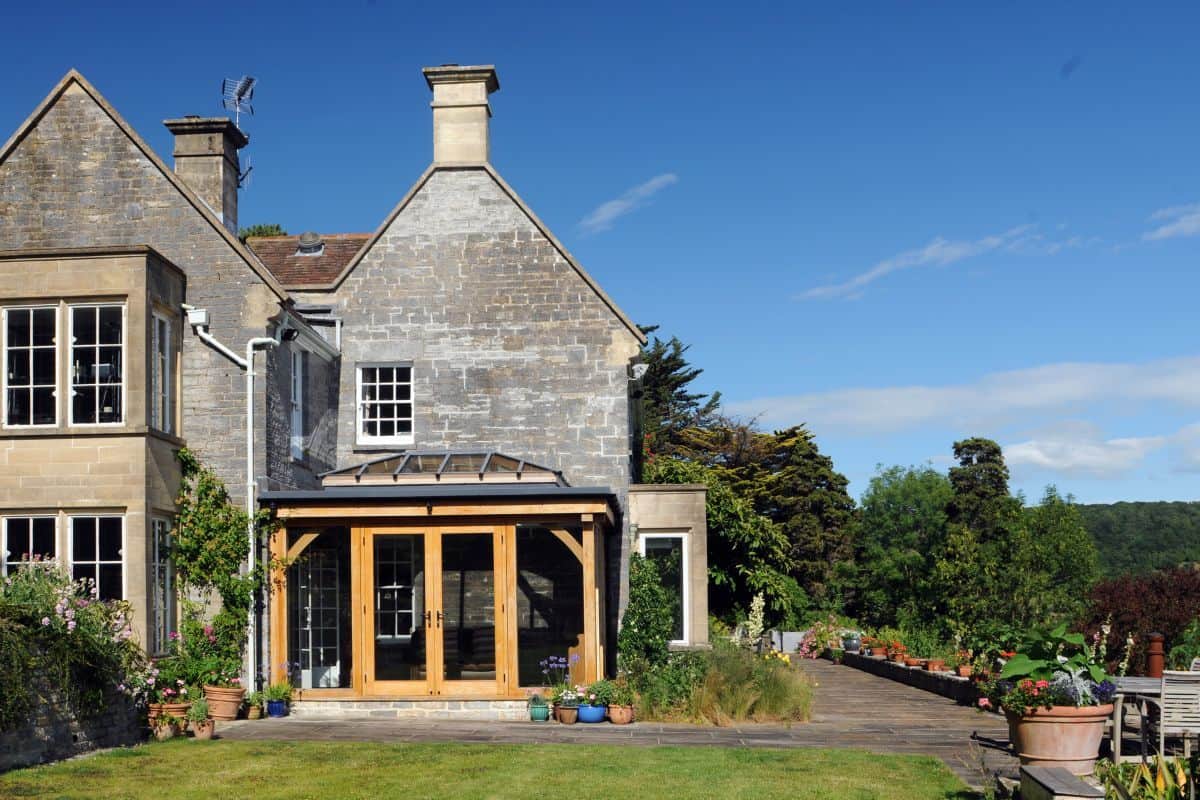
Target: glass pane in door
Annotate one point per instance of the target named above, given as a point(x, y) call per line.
point(468, 607)
point(399, 597)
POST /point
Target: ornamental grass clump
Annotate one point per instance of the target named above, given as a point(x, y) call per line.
point(739, 686)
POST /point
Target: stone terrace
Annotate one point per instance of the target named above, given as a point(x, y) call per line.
point(852, 710)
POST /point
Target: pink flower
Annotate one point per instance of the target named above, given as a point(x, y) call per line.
point(985, 703)
point(1042, 684)
point(70, 626)
point(45, 621)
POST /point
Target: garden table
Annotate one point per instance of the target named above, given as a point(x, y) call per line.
point(1132, 686)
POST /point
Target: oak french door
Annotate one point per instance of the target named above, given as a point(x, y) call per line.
point(432, 621)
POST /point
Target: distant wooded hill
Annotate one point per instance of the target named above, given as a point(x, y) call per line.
point(1140, 537)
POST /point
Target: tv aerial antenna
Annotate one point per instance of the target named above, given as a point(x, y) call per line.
point(236, 94)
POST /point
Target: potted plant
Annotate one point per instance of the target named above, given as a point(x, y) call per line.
point(836, 654)
point(620, 705)
point(224, 691)
point(254, 705)
point(851, 641)
point(1057, 698)
point(277, 697)
point(203, 725)
point(897, 651)
point(566, 705)
point(594, 705)
point(539, 709)
point(165, 726)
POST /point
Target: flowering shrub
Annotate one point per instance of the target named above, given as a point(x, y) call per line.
point(599, 693)
point(58, 628)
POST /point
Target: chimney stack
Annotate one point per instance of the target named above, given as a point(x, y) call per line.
point(461, 112)
point(206, 158)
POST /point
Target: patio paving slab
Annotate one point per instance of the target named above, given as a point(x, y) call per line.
point(852, 709)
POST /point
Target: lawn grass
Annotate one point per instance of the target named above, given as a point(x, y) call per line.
point(182, 769)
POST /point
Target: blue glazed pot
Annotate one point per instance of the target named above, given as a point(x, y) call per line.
point(592, 713)
point(277, 708)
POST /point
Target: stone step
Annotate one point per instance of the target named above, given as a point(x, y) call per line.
point(1055, 783)
point(466, 710)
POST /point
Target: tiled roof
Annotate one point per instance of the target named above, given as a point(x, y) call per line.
point(279, 253)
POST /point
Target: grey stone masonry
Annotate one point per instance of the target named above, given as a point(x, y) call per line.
point(510, 349)
point(76, 179)
point(54, 731)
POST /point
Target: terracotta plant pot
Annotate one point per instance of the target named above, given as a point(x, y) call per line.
point(204, 730)
point(963, 670)
point(179, 712)
point(223, 701)
point(620, 715)
point(164, 732)
point(1061, 736)
point(935, 665)
point(914, 662)
point(898, 657)
point(254, 712)
point(568, 715)
point(154, 711)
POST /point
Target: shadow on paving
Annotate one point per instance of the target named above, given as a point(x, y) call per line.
point(852, 709)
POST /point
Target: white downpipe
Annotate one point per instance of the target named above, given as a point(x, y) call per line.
point(251, 501)
point(199, 324)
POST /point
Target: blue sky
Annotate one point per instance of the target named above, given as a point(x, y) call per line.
point(899, 225)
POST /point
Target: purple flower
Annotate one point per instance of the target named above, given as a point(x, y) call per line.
point(45, 621)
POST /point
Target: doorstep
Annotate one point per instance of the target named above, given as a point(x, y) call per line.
point(464, 710)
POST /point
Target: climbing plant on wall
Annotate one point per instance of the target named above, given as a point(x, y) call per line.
point(209, 552)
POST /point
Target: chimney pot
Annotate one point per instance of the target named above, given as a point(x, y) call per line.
point(461, 112)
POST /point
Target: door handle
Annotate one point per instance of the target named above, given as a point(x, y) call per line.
point(427, 620)
point(439, 618)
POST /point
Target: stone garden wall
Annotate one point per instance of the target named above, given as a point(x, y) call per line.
point(946, 684)
point(54, 732)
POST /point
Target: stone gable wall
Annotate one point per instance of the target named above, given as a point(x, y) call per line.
point(511, 349)
point(77, 181)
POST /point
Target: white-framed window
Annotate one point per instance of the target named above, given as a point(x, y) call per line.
point(27, 539)
point(297, 401)
point(31, 366)
point(385, 404)
point(97, 364)
point(669, 552)
point(162, 597)
point(162, 384)
point(97, 545)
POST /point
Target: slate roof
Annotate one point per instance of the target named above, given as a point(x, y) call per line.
point(279, 253)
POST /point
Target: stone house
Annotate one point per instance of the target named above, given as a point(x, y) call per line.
point(438, 412)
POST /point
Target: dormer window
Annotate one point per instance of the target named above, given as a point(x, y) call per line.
point(310, 244)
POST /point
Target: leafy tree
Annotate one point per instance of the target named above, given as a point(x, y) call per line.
point(747, 553)
point(261, 229)
point(795, 486)
point(903, 526)
point(980, 483)
point(667, 404)
point(1054, 562)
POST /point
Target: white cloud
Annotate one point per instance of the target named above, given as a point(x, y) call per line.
point(603, 216)
point(1176, 221)
point(939, 252)
point(989, 401)
point(1078, 448)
